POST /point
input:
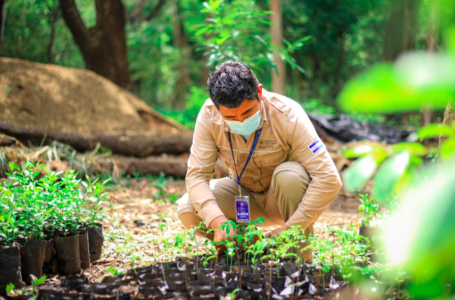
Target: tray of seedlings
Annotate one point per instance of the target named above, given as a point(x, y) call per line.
point(48, 224)
point(250, 267)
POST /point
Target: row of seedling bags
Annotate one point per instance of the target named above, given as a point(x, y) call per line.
point(60, 254)
point(184, 280)
point(49, 222)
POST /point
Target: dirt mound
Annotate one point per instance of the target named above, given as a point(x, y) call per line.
point(50, 97)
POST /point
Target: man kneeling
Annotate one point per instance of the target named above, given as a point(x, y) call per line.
point(273, 153)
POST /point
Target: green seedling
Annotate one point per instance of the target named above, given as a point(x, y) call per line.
point(233, 293)
point(368, 209)
point(9, 288)
point(116, 272)
point(35, 283)
point(34, 204)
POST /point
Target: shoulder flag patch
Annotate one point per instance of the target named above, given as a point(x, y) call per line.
point(316, 146)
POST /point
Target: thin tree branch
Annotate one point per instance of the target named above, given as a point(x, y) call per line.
point(74, 22)
point(50, 55)
point(155, 11)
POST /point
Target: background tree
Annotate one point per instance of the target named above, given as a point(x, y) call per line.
point(276, 35)
point(169, 59)
point(401, 28)
point(55, 10)
point(180, 41)
point(104, 45)
point(2, 20)
point(427, 116)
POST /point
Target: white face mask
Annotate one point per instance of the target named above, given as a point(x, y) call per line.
point(248, 126)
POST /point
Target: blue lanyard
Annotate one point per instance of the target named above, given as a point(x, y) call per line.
point(256, 138)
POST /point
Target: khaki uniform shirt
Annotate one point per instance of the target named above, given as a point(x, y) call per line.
point(287, 135)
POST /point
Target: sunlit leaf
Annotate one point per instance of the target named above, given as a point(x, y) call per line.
point(413, 148)
point(450, 40)
point(416, 80)
point(377, 90)
point(419, 238)
point(363, 150)
point(430, 75)
point(435, 130)
point(389, 174)
point(448, 149)
point(360, 172)
point(39, 281)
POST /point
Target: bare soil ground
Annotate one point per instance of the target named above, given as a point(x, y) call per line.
point(128, 245)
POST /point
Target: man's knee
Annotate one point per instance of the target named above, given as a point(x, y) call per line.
point(186, 213)
point(290, 180)
point(189, 220)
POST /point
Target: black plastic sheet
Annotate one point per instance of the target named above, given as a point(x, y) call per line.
point(345, 129)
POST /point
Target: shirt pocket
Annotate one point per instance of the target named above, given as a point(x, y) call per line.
point(226, 156)
point(273, 159)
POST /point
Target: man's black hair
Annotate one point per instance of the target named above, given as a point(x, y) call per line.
point(231, 83)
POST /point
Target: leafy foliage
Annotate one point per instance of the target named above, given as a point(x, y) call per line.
point(416, 237)
point(368, 209)
point(33, 205)
point(344, 37)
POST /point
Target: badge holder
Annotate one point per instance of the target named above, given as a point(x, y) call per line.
point(242, 208)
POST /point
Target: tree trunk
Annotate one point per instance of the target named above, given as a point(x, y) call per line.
point(50, 46)
point(180, 41)
point(137, 15)
point(400, 29)
point(276, 32)
point(2, 20)
point(103, 46)
point(449, 118)
point(139, 144)
point(426, 115)
point(337, 73)
point(175, 166)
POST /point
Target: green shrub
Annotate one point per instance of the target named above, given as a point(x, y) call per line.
point(34, 205)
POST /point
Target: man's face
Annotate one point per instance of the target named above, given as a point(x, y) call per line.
point(244, 111)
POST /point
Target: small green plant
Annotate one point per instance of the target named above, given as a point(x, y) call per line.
point(233, 293)
point(35, 202)
point(10, 287)
point(116, 272)
point(368, 209)
point(35, 283)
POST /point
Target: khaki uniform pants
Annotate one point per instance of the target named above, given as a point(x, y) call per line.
point(289, 183)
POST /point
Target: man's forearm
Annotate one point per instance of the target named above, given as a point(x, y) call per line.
point(216, 223)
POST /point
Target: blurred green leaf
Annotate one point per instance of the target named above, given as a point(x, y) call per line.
point(389, 174)
point(450, 40)
point(413, 148)
point(376, 90)
point(361, 171)
point(416, 80)
point(419, 238)
point(39, 281)
point(363, 150)
point(435, 130)
point(448, 149)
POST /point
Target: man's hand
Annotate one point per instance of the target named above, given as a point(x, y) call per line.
point(220, 235)
point(276, 231)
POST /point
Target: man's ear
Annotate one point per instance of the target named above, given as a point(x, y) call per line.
point(260, 91)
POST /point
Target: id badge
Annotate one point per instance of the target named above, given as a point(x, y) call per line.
point(242, 208)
